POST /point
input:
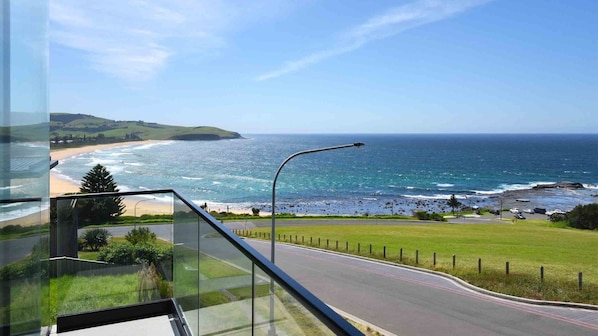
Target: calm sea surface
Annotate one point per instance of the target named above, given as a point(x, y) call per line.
point(391, 173)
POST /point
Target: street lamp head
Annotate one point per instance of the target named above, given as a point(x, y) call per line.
point(358, 144)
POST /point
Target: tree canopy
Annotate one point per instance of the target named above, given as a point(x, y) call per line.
point(105, 208)
point(98, 180)
point(584, 217)
point(453, 202)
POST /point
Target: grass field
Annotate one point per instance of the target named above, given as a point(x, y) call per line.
point(526, 245)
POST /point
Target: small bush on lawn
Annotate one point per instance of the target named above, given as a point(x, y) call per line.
point(140, 235)
point(118, 254)
point(423, 215)
point(94, 239)
point(127, 253)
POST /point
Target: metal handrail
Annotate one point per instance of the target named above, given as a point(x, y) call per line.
point(20, 200)
point(319, 309)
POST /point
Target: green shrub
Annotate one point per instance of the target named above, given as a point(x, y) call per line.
point(140, 235)
point(127, 254)
point(118, 254)
point(557, 217)
point(150, 254)
point(423, 215)
point(96, 238)
point(584, 217)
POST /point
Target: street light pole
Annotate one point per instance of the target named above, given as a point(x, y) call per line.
point(273, 233)
point(272, 330)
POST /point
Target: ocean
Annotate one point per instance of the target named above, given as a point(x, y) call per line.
point(392, 173)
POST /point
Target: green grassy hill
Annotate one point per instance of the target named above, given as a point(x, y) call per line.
point(82, 128)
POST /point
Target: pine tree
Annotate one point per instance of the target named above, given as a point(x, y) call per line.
point(99, 180)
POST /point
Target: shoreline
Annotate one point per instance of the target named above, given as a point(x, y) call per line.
point(549, 198)
point(134, 205)
point(60, 186)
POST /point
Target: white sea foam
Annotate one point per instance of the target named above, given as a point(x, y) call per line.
point(444, 185)
point(120, 153)
point(148, 146)
point(435, 197)
point(510, 187)
point(63, 177)
point(191, 178)
point(242, 178)
point(20, 212)
point(11, 187)
point(9, 205)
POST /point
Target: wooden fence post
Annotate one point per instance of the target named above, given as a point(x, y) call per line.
point(541, 273)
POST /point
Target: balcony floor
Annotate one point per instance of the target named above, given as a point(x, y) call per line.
point(159, 325)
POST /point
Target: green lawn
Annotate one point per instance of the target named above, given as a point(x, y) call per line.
point(526, 245)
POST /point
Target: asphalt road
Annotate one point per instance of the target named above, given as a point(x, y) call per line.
point(408, 302)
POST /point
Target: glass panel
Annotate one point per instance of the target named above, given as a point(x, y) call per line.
point(103, 259)
point(277, 312)
point(225, 285)
point(24, 165)
point(264, 304)
point(21, 270)
point(186, 262)
point(156, 247)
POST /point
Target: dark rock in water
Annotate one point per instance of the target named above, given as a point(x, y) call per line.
point(562, 184)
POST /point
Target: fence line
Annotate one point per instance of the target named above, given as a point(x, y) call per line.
point(385, 252)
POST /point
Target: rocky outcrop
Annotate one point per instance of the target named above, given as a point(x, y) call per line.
point(562, 184)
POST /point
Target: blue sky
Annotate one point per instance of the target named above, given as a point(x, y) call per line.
point(311, 66)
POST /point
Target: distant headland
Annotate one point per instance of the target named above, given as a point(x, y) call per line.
point(68, 129)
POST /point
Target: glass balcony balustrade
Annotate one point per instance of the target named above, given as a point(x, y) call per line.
point(23, 277)
point(165, 256)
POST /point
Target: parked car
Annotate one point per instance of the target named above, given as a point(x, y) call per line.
point(540, 210)
point(529, 211)
point(514, 210)
point(494, 212)
point(519, 216)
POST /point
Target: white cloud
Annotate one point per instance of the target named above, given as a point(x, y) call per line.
point(134, 39)
point(390, 23)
